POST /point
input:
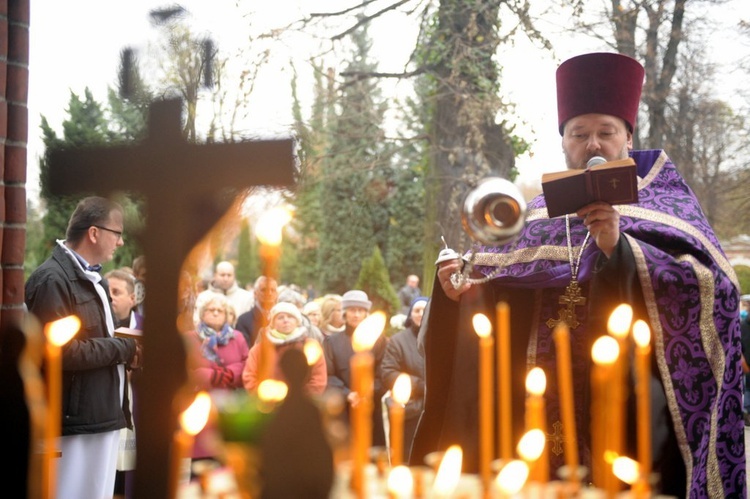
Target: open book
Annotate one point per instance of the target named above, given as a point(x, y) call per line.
point(127, 332)
point(614, 182)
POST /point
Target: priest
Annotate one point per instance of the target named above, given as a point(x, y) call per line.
point(659, 255)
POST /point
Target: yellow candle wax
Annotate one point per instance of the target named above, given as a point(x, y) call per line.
point(567, 407)
point(483, 329)
point(504, 396)
point(57, 333)
point(401, 393)
point(642, 337)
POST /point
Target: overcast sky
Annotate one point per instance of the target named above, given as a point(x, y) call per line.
point(76, 43)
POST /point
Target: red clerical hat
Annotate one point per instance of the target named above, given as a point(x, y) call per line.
point(602, 83)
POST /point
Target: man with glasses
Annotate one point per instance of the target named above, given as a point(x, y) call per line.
point(94, 399)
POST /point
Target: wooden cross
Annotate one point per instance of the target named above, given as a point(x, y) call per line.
point(571, 299)
point(180, 182)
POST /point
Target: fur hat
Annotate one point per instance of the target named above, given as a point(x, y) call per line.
point(356, 298)
point(602, 83)
point(287, 308)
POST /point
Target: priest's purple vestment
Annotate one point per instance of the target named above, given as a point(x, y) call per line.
point(670, 267)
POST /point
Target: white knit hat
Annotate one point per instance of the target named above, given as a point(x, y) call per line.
point(355, 298)
point(287, 308)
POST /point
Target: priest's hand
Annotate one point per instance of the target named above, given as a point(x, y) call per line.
point(603, 222)
point(444, 276)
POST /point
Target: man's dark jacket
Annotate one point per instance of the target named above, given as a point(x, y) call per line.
point(91, 384)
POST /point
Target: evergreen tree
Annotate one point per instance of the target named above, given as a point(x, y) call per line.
point(244, 273)
point(355, 177)
point(312, 135)
point(373, 279)
point(84, 126)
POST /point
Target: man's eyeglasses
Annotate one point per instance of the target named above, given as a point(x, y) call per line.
point(115, 232)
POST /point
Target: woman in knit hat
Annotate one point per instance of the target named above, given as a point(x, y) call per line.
point(284, 332)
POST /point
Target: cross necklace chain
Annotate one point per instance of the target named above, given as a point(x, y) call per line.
point(572, 296)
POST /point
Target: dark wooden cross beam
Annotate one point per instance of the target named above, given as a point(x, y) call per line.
point(180, 182)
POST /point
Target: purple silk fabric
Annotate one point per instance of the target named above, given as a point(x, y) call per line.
point(693, 303)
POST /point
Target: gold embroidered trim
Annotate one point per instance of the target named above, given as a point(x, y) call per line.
point(717, 360)
point(524, 255)
point(658, 343)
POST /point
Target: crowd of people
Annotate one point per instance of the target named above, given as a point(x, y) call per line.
point(659, 255)
point(223, 326)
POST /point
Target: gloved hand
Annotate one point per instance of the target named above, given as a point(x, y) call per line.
point(222, 377)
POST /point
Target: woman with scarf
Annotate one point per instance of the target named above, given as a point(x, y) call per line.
point(285, 331)
point(216, 360)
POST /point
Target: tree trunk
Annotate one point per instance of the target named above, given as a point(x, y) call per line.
point(466, 142)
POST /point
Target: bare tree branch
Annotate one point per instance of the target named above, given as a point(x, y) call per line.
point(367, 19)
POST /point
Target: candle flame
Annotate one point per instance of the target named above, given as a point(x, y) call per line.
point(313, 351)
point(449, 471)
point(400, 482)
point(512, 477)
point(605, 351)
point(368, 332)
point(482, 325)
point(620, 320)
point(194, 418)
point(626, 469)
point(271, 390)
point(270, 224)
point(401, 391)
point(531, 445)
point(641, 333)
point(61, 331)
point(536, 381)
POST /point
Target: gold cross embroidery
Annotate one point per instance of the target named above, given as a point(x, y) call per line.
point(556, 438)
point(571, 298)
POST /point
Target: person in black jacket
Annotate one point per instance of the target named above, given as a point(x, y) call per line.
point(94, 401)
point(338, 351)
point(402, 356)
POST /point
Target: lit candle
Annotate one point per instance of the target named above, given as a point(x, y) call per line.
point(362, 383)
point(483, 328)
point(536, 384)
point(192, 421)
point(626, 469)
point(400, 483)
point(401, 393)
point(642, 337)
point(604, 353)
point(531, 445)
point(618, 326)
point(58, 333)
point(448, 473)
point(567, 410)
point(313, 351)
point(512, 477)
point(268, 230)
point(504, 390)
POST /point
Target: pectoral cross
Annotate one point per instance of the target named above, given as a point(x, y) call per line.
point(185, 186)
point(570, 298)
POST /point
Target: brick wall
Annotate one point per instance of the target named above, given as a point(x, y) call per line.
point(14, 91)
